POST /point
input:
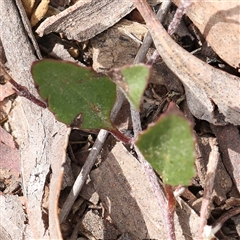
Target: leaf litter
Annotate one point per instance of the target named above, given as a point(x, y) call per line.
point(110, 209)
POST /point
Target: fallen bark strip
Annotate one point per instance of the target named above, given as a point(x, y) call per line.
point(41, 139)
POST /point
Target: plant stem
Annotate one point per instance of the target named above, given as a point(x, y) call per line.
point(171, 209)
point(120, 136)
point(209, 181)
point(21, 90)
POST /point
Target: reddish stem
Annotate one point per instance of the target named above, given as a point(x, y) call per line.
point(120, 136)
point(171, 209)
point(23, 91)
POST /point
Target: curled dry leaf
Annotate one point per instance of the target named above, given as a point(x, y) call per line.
point(28, 6)
point(40, 12)
point(219, 23)
point(205, 86)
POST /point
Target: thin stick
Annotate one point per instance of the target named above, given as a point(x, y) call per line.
point(147, 42)
point(21, 90)
point(181, 10)
point(229, 214)
point(208, 188)
point(82, 176)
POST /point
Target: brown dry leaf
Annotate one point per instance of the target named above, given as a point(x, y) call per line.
point(229, 145)
point(95, 227)
point(10, 155)
point(128, 199)
point(6, 90)
point(222, 182)
point(219, 23)
point(206, 87)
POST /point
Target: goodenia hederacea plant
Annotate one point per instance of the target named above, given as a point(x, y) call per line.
point(79, 96)
point(168, 145)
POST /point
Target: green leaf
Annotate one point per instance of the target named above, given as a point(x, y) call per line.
point(72, 91)
point(168, 146)
point(133, 81)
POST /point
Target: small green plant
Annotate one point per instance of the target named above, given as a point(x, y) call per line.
point(81, 97)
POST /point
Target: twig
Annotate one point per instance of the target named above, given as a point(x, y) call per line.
point(209, 231)
point(82, 176)
point(161, 14)
point(229, 214)
point(208, 188)
point(140, 58)
point(181, 10)
point(21, 90)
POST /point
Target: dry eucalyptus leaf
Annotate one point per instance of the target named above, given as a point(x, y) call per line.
point(212, 95)
point(219, 23)
point(127, 197)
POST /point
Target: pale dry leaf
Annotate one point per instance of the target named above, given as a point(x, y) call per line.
point(39, 12)
point(28, 6)
point(6, 90)
point(219, 23)
point(6, 138)
point(206, 87)
point(85, 19)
